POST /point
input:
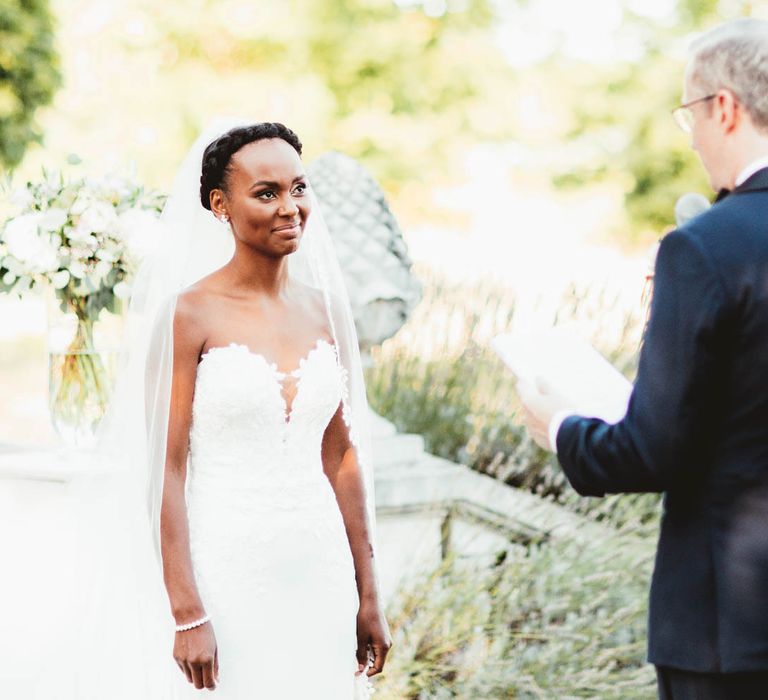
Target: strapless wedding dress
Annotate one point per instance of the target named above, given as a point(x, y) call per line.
point(269, 549)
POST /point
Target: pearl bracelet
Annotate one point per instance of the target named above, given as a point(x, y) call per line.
point(190, 625)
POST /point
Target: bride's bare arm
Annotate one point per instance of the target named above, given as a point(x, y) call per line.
point(195, 649)
point(343, 471)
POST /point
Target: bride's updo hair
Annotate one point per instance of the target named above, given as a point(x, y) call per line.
point(218, 154)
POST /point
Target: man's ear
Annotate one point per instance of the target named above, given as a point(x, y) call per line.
point(730, 110)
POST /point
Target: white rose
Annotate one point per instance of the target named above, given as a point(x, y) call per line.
point(103, 268)
point(83, 200)
point(9, 278)
point(53, 219)
point(122, 290)
point(47, 259)
point(77, 234)
point(106, 254)
point(60, 279)
point(22, 198)
point(22, 238)
point(50, 188)
point(77, 269)
point(97, 218)
point(116, 186)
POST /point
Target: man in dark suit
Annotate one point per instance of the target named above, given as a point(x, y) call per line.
point(696, 427)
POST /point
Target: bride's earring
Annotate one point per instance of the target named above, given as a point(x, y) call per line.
point(224, 219)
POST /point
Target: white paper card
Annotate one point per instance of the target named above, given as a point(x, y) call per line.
point(574, 370)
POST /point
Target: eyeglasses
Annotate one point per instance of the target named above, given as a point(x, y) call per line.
point(684, 116)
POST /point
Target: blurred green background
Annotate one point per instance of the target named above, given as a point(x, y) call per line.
point(571, 95)
point(528, 152)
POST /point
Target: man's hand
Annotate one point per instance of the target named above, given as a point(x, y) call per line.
point(540, 404)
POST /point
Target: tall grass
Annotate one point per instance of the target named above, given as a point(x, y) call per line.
point(554, 622)
point(438, 377)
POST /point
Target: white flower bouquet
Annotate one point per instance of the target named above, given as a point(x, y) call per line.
point(83, 238)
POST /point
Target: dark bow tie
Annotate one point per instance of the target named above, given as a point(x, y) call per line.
point(722, 194)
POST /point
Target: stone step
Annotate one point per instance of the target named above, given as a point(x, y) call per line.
point(397, 450)
point(380, 426)
point(433, 483)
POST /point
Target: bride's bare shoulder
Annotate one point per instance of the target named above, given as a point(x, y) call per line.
point(195, 306)
point(311, 296)
point(200, 295)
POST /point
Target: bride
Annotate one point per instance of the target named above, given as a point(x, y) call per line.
point(244, 354)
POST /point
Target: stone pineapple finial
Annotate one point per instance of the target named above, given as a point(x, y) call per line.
point(370, 246)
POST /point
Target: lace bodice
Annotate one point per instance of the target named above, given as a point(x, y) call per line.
point(243, 410)
point(249, 444)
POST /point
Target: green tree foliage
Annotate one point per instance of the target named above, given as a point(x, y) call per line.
point(29, 73)
point(408, 86)
point(383, 81)
point(624, 111)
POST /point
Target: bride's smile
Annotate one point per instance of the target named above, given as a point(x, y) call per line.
point(265, 197)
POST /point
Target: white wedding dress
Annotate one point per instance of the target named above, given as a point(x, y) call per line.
point(269, 549)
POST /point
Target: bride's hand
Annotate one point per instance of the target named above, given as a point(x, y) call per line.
point(373, 640)
point(197, 656)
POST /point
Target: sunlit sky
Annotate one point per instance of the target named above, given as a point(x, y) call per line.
point(586, 30)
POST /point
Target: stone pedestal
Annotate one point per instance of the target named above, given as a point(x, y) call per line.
point(429, 508)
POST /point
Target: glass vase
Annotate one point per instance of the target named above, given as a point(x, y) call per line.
point(82, 358)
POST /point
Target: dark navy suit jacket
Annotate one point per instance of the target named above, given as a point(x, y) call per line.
point(697, 430)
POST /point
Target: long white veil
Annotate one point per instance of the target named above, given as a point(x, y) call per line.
point(132, 437)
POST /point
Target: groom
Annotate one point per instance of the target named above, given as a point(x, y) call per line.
point(697, 423)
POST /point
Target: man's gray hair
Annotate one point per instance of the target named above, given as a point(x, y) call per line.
point(734, 56)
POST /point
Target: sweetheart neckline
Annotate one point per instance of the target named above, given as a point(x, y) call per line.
point(278, 376)
point(273, 365)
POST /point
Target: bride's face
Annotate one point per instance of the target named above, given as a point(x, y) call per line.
point(267, 199)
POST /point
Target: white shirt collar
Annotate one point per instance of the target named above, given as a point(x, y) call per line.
point(751, 169)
